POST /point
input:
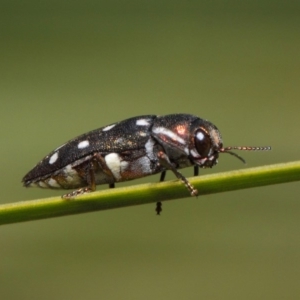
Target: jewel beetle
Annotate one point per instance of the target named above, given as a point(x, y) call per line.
point(131, 149)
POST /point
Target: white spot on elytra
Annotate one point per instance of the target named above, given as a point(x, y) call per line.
point(142, 122)
point(53, 158)
point(114, 164)
point(108, 127)
point(83, 144)
point(173, 136)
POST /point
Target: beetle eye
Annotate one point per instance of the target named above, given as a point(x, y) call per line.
point(202, 142)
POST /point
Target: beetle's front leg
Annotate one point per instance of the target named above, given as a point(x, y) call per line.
point(165, 162)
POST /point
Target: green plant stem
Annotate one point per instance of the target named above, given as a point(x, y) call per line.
point(147, 193)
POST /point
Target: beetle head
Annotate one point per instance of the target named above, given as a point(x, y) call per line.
point(207, 145)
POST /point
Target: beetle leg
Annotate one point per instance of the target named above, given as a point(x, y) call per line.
point(76, 193)
point(165, 162)
point(88, 173)
point(196, 170)
point(162, 176)
point(158, 208)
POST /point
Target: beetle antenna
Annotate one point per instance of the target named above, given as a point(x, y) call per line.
point(228, 150)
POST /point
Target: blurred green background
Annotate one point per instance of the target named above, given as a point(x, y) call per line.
point(71, 66)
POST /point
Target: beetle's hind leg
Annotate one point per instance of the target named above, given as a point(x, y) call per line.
point(87, 172)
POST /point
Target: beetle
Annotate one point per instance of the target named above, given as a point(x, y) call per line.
point(130, 149)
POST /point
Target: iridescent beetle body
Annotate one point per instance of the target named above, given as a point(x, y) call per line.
point(130, 149)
